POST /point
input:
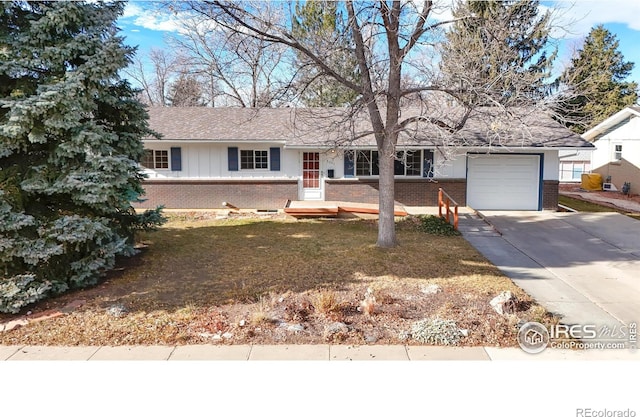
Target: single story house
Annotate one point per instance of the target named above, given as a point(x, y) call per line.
point(617, 148)
point(261, 158)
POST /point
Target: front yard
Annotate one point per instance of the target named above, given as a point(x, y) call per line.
point(270, 279)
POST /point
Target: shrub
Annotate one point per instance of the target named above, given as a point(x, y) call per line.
point(436, 331)
point(435, 225)
point(325, 302)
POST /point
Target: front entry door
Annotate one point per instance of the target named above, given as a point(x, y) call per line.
point(311, 176)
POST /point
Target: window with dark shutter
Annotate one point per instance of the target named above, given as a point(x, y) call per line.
point(232, 154)
point(176, 159)
point(274, 159)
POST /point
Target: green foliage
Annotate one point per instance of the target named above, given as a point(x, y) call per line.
point(436, 331)
point(595, 82)
point(70, 142)
point(149, 220)
point(319, 25)
point(496, 52)
point(435, 225)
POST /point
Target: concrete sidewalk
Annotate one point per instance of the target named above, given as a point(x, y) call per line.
point(301, 352)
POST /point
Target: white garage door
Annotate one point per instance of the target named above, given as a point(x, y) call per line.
point(503, 182)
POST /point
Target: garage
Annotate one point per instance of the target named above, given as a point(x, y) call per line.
point(503, 182)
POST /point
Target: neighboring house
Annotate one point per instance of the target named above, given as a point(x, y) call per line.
point(573, 164)
point(617, 148)
point(260, 159)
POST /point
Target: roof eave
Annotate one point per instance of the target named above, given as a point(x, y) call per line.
point(221, 141)
point(610, 121)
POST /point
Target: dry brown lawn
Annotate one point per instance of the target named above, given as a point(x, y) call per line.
point(266, 280)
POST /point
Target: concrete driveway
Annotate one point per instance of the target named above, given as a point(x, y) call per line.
point(582, 266)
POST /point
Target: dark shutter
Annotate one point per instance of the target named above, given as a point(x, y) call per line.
point(274, 159)
point(349, 164)
point(427, 163)
point(398, 165)
point(176, 159)
point(375, 163)
point(233, 158)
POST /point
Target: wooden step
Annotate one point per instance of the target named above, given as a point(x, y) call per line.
point(368, 210)
point(312, 211)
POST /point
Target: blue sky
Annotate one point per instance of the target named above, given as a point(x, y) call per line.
point(147, 28)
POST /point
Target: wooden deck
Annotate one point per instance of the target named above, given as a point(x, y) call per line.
point(334, 209)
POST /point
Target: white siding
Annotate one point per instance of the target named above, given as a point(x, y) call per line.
point(209, 161)
point(628, 135)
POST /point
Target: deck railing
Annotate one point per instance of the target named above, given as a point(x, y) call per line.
point(445, 200)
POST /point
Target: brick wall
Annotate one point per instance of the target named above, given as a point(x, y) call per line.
point(267, 195)
point(550, 194)
point(409, 192)
point(271, 195)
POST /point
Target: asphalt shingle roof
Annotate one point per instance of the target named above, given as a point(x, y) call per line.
point(328, 127)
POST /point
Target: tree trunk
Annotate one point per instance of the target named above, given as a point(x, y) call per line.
point(386, 197)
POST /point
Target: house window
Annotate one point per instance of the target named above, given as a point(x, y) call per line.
point(617, 152)
point(367, 163)
point(252, 159)
point(408, 163)
point(411, 163)
point(154, 159)
point(573, 170)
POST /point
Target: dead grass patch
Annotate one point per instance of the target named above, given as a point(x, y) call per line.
point(257, 279)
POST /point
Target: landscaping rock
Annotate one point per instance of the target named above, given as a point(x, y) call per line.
point(296, 328)
point(335, 328)
point(371, 338)
point(430, 289)
point(227, 335)
point(117, 310)
point(504, 303)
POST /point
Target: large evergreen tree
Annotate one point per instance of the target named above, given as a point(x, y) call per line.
point(319, 23)
point(595, 82)
point(70, 141)
point(500, 47)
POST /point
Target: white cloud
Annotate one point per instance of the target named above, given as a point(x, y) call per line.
point(576, 18)
point(132, 10)
point(157, 22)
point(147, 17)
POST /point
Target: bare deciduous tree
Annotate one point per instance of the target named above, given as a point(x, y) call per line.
point(155, 75)
point(239, 70)
point(186, 91)
point(397, 46)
